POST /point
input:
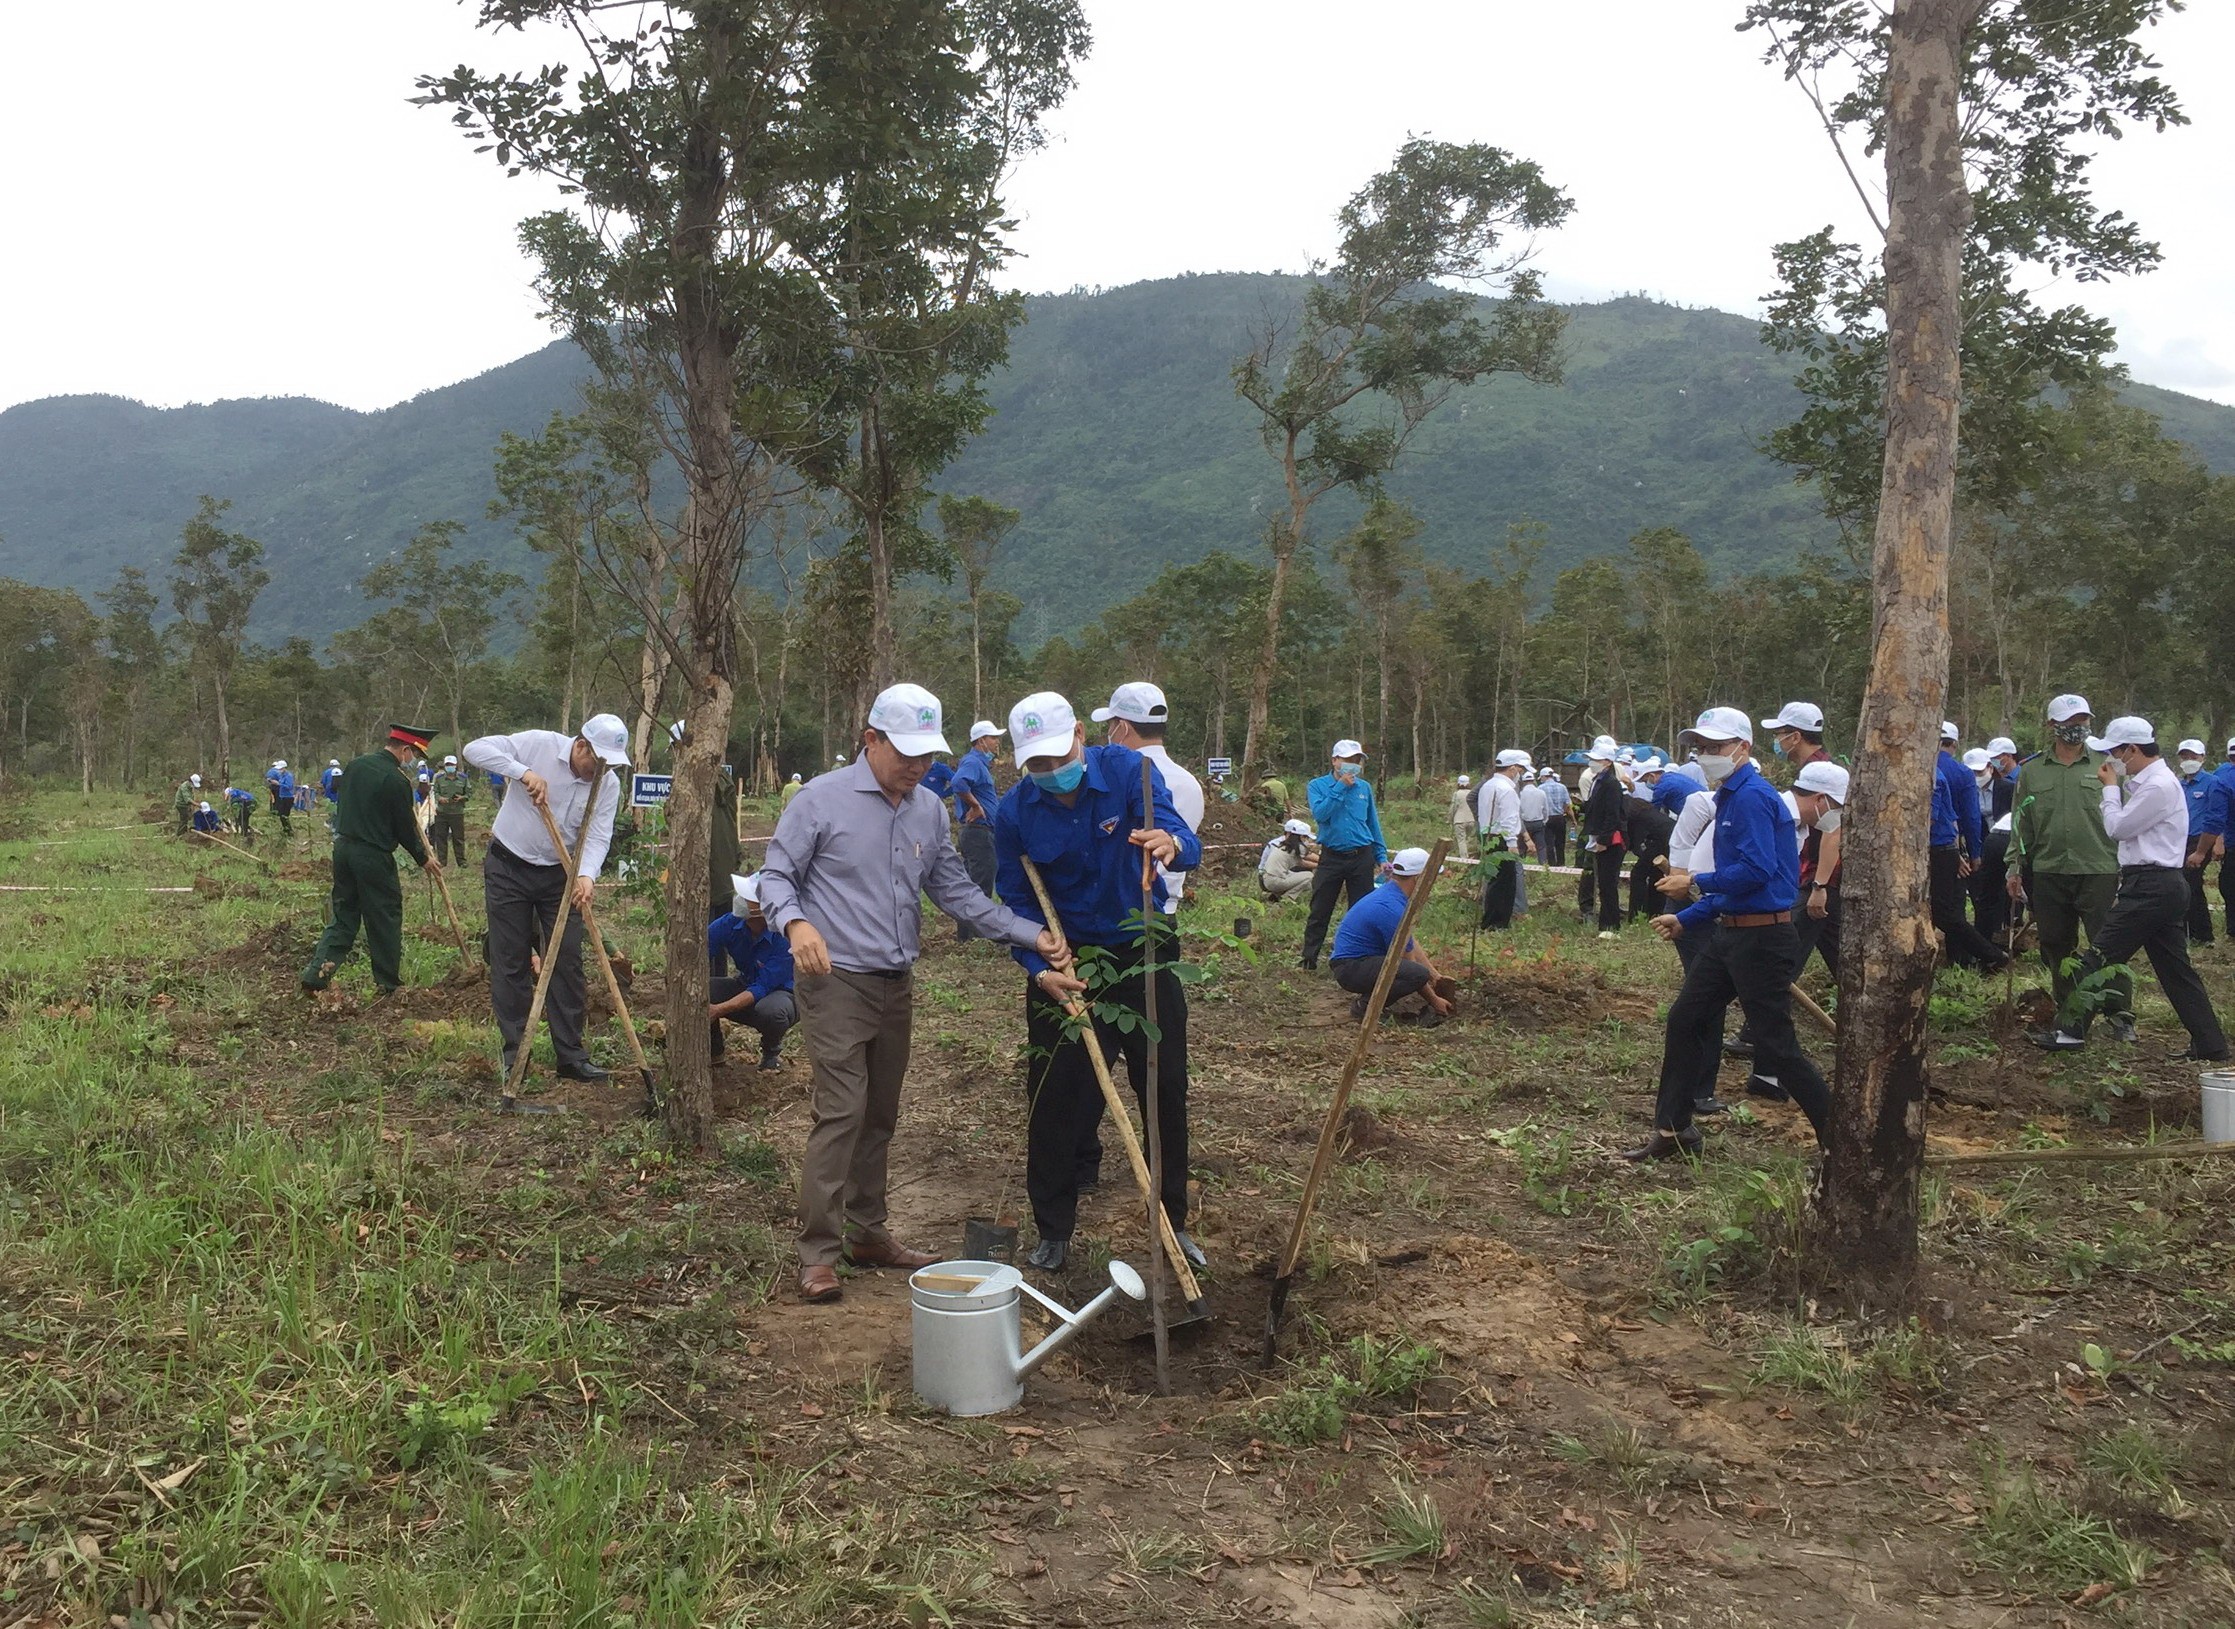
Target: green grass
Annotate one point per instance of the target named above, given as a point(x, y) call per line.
point(1318, 1398)
point(2032, 1533)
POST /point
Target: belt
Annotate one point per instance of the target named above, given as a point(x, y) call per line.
point(1757, 919)
point(872, 972)
point(2147, 870)
point(496, 847)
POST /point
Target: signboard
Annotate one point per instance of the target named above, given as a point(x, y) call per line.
point(1220, 766)
point(646, 791)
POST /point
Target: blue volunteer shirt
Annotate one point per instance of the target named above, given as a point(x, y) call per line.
point(234, 794)
point(282, 784)
point(2207, 804)
point(1955, 806)
point(1757, 857)
point(1083, 854)
point(1346, 815)
point(1672, 791)
point(1369, 927)
point(763, 960)
point(328, 781)
point(938, 778)
point(974, 774)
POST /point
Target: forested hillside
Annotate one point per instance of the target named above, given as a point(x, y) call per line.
point(1117, 435)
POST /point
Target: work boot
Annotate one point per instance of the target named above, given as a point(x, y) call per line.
point(318, 977)
point(1738, 1046)
point(1666, 1145)
point(1357, 1009)
point(585, 1070)
point(1049, 1255)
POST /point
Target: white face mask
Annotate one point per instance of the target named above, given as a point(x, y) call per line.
point(1717, 767)
point(1828, 821)
point(2190, 766)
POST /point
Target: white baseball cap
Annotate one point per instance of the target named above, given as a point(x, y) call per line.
point(2192, 748)
point(193, 780)
point(983, 728)
point(909, 716)
point(1297, 828)
point(2002, 747)
point(1346, 748)
point(333, 763)
point(2065, 708)
point(608, 738)
point(1513, 758)
point(1720, 724)
point(744, 891)
point(1463, 781)
point(1605, 743)
point(1137, 703)
point(1796, 715)
point(2124, 732)
point(450, 760)
point(1408, 862)
point(279, 763)
point(1823, 776)
point(205, 808)
point(1042, 726)
point(1650, 766)
point(1627, 755)
point(1548, 773)
point(1975, 759)
point(1949, 732)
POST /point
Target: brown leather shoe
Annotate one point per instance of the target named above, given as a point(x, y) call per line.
point(886, 1252)
point(820, 1284)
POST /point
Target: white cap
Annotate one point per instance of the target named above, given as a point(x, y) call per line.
point(1948, 731)
point(1650, 766)
point(978, 732)
point(1975, 759)
point(1408, 862)
point(796, 777)
point(743, 891)
point(1823, 776)
point(2191, 748)
point(909, 715)
point(2124, 732)
point(1720, 724)
point(450, 760)
point(1463, 781)
point(2002, 747)
point(279, 763)
point(1627, 755)
point(1297, 828)
point(1548, 773)
point(205, 808)
point(333, 763)
point(193, 780)
point(2068, 707)
point(1513, 758)
point(1137, 703)
point(1346, 748)
point(608, 738)
point(1042, 726)
point(1605, 744)
point(1796, 715)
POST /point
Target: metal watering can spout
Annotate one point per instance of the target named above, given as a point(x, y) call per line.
point(1123, 1279)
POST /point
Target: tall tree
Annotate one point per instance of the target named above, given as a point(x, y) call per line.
point(135, 654)
point(2006, 90)
point(454, 605)
point(1378, 346)
point(215, 578)
point(1378, 558)
point(974, 530)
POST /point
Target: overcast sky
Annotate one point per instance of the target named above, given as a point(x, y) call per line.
point(237, 199)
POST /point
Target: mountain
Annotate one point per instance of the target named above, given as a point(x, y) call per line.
point(1117, 433)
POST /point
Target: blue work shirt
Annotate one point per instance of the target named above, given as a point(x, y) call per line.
point(328, 781)
point(939, 778)
point(974, 773)
point(1093, 873)
point(282, 784)
point(1757, 859)
point(1672, 791)
point(1555, 798)
point(2207, 798)
point(1369, 927)
point(234, 794)
point(1955, 806)
point(1345, 814)
point(763, 960)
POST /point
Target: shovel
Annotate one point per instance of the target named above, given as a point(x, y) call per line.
point(612, 979)
point(509, 1101)
point(1198, 1308)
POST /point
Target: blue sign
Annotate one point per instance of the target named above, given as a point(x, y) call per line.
point(1220, 766)
point(648, 790)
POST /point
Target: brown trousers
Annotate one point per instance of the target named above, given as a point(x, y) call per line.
point(856, 1026)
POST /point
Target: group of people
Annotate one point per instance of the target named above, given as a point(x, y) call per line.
point(191, 809)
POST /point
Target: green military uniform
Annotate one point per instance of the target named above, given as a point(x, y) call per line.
point(182, 806)
point(2070, 864)
point(451, 788)
point(372, 819)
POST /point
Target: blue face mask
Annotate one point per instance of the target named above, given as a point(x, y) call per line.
point(1065, 779)
point(1347, 771)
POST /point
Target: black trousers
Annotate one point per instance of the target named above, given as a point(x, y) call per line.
point(975, 844)
point(1065, 1105)
point(523, 902)
point(1818, 933)
point(1967, 946)
point(1502, 886)
point(1341, 870)
point(284, 808)
point(2150, 914)
point(2199, 908)
point(1645, 897)
point(1357, 974)
point(1602, 880)
point(447, 833)
point(1555, 849)
point(1989, 887)
point(1755, 968)
point(2227, 890)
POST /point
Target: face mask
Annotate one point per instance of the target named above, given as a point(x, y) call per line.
point(2117, 767)
point(1778, 746)
point(1828, 821)
point(1346, 771)
point(1717, 767)
point(2072, 734)
point(1065, 779)
point(1983, 777)
point(2190, 766)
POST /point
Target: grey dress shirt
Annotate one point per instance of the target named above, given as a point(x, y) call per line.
point(846, 861)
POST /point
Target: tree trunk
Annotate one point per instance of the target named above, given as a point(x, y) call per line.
point(884, 641)
point(224, 728)
point(1286, 538)
point(1866, 1237)
point(977, 664)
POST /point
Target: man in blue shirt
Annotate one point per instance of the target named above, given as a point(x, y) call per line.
point(1077, 815)
point(1752, 949)
point(281, 784)
point(974, 800)
point(240, 802)
point(1351, 848)
point(1555, 851)
point(1958, 844)
point(2207, 826)
point(759, 993)
point(1367, 933)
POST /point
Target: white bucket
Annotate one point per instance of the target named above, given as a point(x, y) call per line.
point(2219, 1106)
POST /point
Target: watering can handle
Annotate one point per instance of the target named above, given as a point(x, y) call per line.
point(1061, 1314)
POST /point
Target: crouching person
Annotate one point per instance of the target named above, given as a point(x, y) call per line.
point(1366, 937)
point(759, 993)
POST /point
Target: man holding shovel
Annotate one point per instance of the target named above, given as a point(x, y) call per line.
point(372, 819)
point(524, 876)
point(845, 869)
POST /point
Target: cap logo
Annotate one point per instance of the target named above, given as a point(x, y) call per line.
point(924, 716)
point(1032, 721)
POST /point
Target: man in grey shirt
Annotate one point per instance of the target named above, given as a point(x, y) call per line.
point(849, 859)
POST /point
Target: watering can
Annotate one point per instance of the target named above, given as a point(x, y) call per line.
point(968, 1326)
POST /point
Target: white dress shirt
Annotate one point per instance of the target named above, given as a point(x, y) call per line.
point(1187, 801)
point(518, 826)
point(1532, 805)
point(2151, 820)
point(1501, 810)
point(1691, 847)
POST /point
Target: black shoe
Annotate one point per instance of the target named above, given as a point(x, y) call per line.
point(1666, 1145)
point(1739, 1047)
point(1357, 1008)
point(771, 1062)
point(584, 1070)
point(1710, 1105)
point(1049, 1255)
point(1763, 1086)
point(1428, 1018)
point(2189, 1054)
point(2057, 1040)
point(1088, 1181)
point(1309, 964)
point(2121, 1026)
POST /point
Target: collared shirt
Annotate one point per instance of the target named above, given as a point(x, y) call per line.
point(451, 786)
point(1501, 810)
point(1346, 814)
point(2057, 822)
point(519, 826)
point(1955, 806)
point(1187, 803)
point(1532, 805)
point(1084, 853)
point(375, 806)
point(846, 861)
point(1369, 926)
point(1672, 791)
point(1757, 860)
point(1691, 847)
point(974, 774)
point(1555, 798)
point(281, 782)
point(763, 960)
point(939, 779)
point(2207, 804)
point(2150, 820)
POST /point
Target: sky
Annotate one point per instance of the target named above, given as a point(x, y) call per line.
point(247, 204)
